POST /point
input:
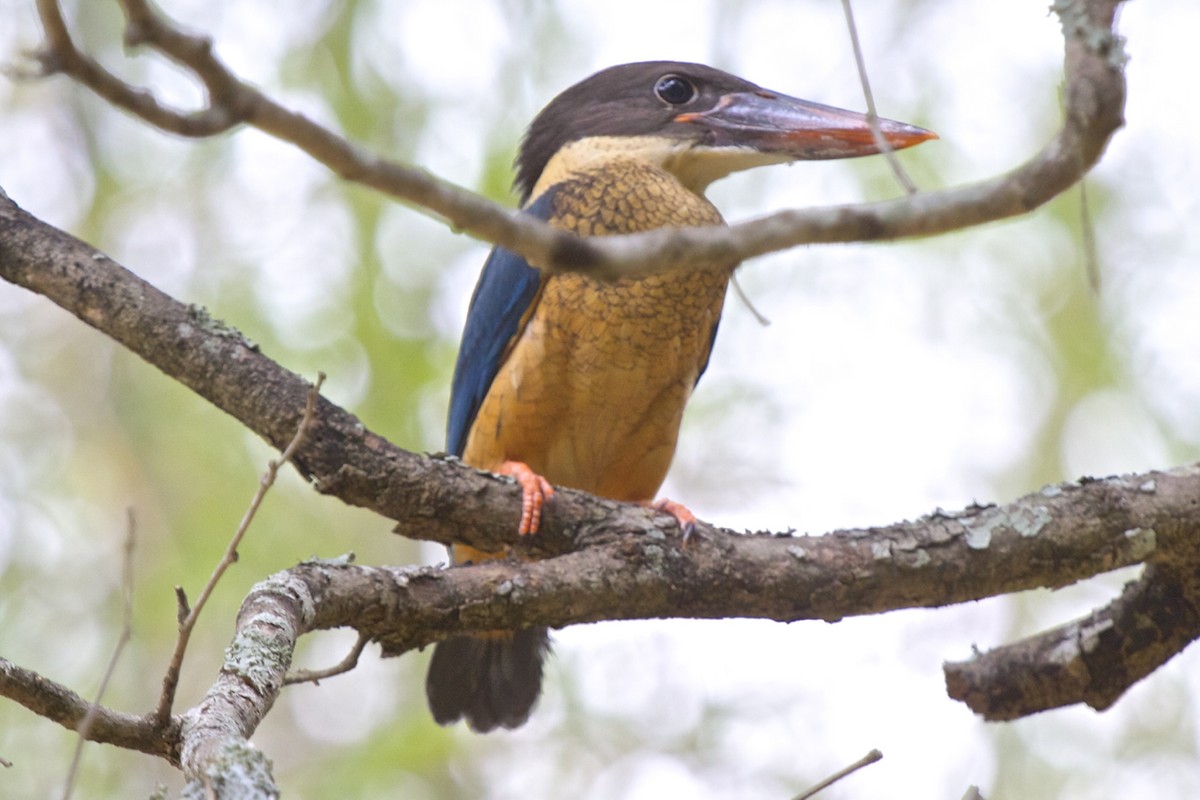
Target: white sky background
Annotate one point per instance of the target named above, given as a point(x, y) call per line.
point(893, 379)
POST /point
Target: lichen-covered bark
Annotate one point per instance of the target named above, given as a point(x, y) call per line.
point(1048, 539)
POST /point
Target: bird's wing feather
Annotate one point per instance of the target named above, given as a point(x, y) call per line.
point(508, 289)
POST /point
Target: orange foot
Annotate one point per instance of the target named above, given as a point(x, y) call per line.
point(535, 491)
point(682, 514)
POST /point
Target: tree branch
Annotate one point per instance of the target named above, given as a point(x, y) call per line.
point(59, 704)
point(122, 640)
point(1048, 539)
point(432, 498)
point(870, 758)
point(1094, 103)
point(1092, 660)
point(188, 624)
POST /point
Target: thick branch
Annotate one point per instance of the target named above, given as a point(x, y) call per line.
point(1094, 102)
point(432, 498)
point(1048, 539)
point(1092, 660)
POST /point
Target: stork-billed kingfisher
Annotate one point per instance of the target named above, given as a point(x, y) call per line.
point(562, 379)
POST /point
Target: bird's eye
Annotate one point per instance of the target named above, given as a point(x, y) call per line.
point(674, 90)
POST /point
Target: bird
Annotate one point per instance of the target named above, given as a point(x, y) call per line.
point(562, 379)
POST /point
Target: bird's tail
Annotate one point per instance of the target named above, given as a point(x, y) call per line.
point(492, 681)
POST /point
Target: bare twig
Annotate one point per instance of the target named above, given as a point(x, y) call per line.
point(171, 679)
point(1091, 256)
point(85, 726)
point(345, 665)
point(741, 293)
point(872, 116)
point(182, 606)
point(867, 760)
point(1095, 94)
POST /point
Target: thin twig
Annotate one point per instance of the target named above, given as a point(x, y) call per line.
point(345, 665)
point(182, 607)
point(85, 724)
point(868, 759)
point(1091, 257)
point(872, 117)
point(741, 293)
point(171, 679)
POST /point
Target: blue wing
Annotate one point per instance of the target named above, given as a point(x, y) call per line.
point(507, 289)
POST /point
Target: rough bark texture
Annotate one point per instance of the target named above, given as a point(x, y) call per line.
point(1091, 660)
point(432, 498)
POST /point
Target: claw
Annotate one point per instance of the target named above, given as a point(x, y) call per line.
point(682, 514)
point(535, 491)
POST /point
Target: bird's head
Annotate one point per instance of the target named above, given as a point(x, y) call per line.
point(697, 122)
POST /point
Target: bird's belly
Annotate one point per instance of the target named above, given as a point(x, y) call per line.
point(593, 392)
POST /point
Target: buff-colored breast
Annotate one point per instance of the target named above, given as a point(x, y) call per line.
point(592, 392)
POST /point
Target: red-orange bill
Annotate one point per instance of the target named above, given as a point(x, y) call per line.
point(775, 123)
